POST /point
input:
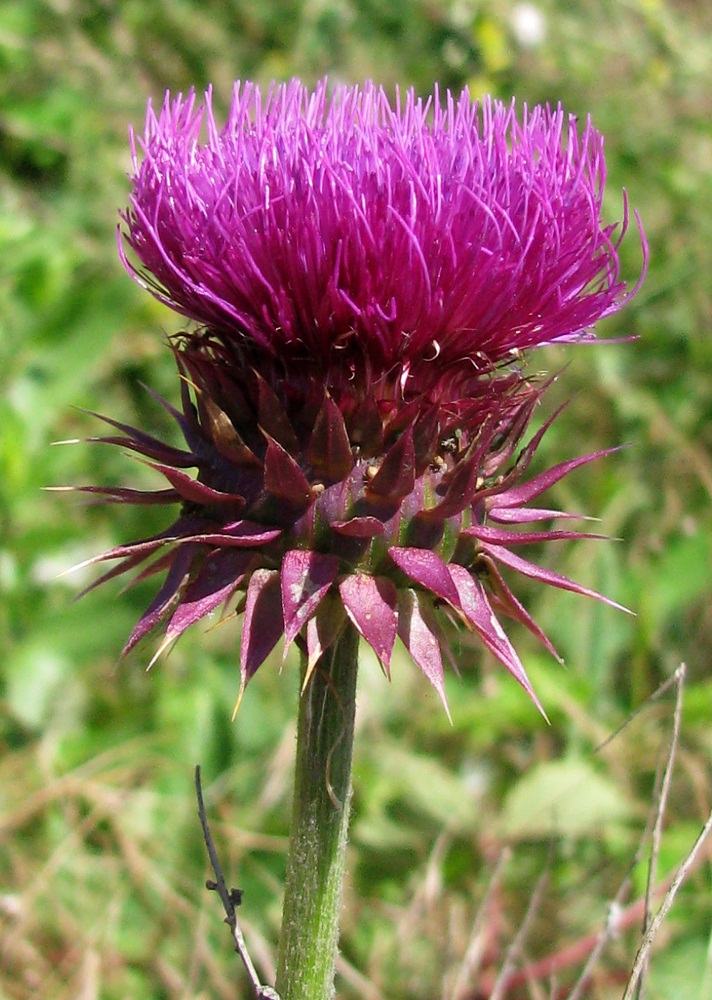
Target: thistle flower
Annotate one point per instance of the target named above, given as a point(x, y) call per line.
point(365, 280)
point(418, 246)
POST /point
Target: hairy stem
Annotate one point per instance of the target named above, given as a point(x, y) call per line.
point(322, 794)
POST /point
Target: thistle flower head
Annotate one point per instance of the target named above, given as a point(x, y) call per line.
point(365, 279)
point(419, 245)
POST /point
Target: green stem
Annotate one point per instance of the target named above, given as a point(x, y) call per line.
point(320, 817)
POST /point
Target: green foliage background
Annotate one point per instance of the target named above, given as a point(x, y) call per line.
point(101, 862)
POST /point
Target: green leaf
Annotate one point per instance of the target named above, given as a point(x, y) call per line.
point(426, 786)
point(562, 798)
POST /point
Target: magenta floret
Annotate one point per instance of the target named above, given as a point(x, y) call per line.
point(341, 229)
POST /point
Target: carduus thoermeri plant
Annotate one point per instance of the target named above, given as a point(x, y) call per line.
point(366, 281)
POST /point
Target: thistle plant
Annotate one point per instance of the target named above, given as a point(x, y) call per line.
point(365, 283)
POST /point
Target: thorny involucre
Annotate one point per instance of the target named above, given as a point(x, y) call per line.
point(365, 279)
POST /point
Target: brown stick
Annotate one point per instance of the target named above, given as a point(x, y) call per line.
point(231, 898)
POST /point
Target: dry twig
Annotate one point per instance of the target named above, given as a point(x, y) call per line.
point(680, 875)
point(619, 918)
point(231, 899)
point(657, 834)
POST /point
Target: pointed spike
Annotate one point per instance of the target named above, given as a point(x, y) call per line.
point(518, 424)
point(506, 601)
point(218, 578)
point(435, 622)
point(365, 427)
point(121, 494)
point(159, 451)
point(371, 603)
point(263, 623)
point(166, 597)
point(426, 434)
point(323, 629)
point(359, 527)
point(395, 478)
point(193, 490)
point(273, 418)
point(123, 567)
point(500, 536)
point(188, 420)
point(461, 488)
point(163, 646)
point(479, 616)
point(522, 462)
point(135, 431)
point(421, 642)
point(143, 549)
point(515, 562)
point(522, 494)
point(530, 448)
point(525, 515)
point(145, 444)
point(176, 414)
point(238, 700)
point(224, 435)
point(329, 449)
point(240, 534)
point(427, 569)
point(306, 577)
point(308, 672)
point(186, 384)
point(284, 479)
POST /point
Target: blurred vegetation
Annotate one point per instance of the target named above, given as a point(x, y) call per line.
point(101, 861)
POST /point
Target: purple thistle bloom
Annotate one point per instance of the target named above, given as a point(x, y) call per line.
point(424, 243)
point(365, 280)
